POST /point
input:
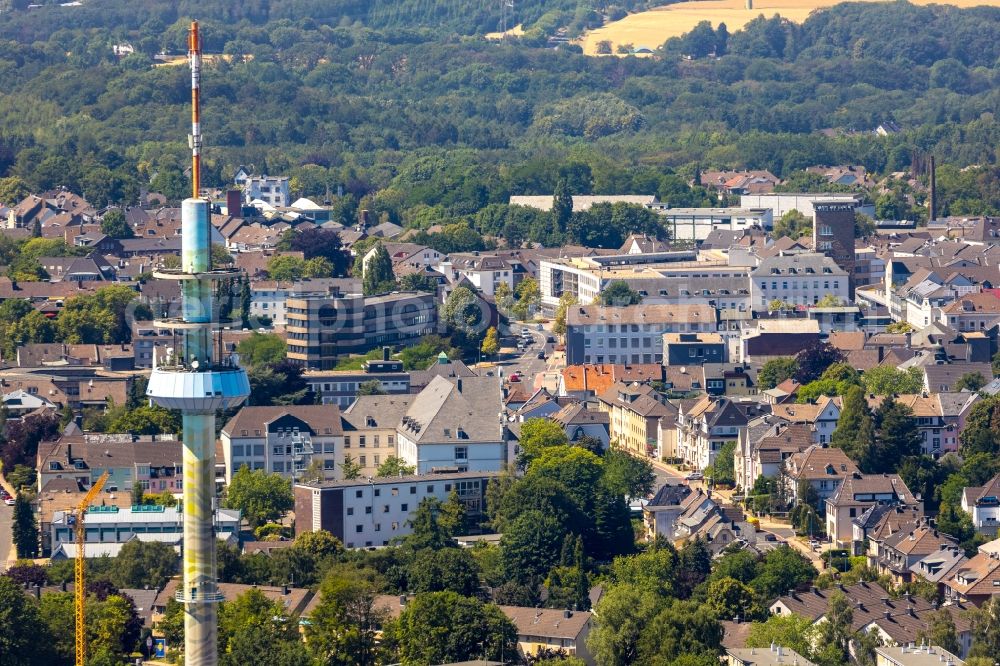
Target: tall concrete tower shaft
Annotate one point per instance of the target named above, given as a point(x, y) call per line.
point(195, 381)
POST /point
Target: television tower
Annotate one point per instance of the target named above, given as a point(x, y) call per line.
point(199, 383)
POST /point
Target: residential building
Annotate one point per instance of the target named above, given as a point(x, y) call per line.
point(577, 421)
point(873, 609)
point(797, 279)
point(369, 512)
point(911, 655)
point(285, 440)
point(880, 522)
point(269, 298)
point(272, 190)
point(983, 505)
point(321, 329)
point(975, 581)
point(590, 380)
point(634, 411)
point(693, 348)
point(777, 337)
point(156, 462)
point(939, 416)
point(899, 552)
point(719, 525)
point(484, 272)
point(764, 446)
point(631, 334)
point(740, 182)
point(776, 655)
point(660, 514)
point(822, 468)
point(550, 630)
point(972, 312)
point(340, 387)
point(369, 425)
point(113, 525)
point(454, 425)
point(857, 493)
point(711, 423)
point(821, 416)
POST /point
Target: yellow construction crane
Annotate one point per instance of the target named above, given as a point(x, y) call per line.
point(79, 591)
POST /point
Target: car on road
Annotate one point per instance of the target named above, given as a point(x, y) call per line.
point(814, 544)
point(541, 355)
point(550, 340)
point(514, 377)
point(694, 476)
point(539, 328)
point(770, 537)
point(8, 500)
point(525, 331)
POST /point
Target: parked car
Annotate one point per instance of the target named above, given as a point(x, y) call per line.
point(551, 340)
point(814, 544)
point(539, 328)
point(694, 476)
point(525, 331)
point(8, 500)
point(769, 537)
point(515, 377)
point(541, 355)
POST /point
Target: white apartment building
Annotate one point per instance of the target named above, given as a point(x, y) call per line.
point(454, 425)
point(284, 440)
point(797, 279)
point(485, 272)
point(268, 298)
point(272, 190)
point(365, 513)
point(695, 224)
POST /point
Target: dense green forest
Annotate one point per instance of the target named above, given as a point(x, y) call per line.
point(427, 125)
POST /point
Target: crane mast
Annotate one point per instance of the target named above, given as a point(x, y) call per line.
point(79, 591)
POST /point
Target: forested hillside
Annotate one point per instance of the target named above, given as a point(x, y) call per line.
point(432, 127)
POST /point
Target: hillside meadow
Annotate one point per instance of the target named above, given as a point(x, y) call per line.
point(653, 27)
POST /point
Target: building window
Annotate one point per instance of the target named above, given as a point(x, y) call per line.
point(350, 511)
point(461, 453)
point(357, 528)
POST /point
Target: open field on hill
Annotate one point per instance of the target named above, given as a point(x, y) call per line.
point(651, 28)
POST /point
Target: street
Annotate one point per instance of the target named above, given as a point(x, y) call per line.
point(527, 364)
point(6, 512)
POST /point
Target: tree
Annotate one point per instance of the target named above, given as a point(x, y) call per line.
point(728, 598)
point(566, 301)
point(24, 527)
point(21, 476)
point(252, 625)
point(371, 387)
point(115, 225)
point(814, 360)
point(792, 224)
point(377, 271)
point(777, 370)
point(504, 297)
point(463, 311)
point(723, 469)
point(445, 627)
point(970, 381)
point(491, 343)
point(941, 631)
point(395, 466)
point(538, 434)
point(529, 295)
point(245, 303)
point(782, 569)
point(621, 618)
point(562, 204)
point(618, 293)
point(262, 497)
point(350, 468)
point(835, 635)
point(262, 349)
point(529, 546)
point(683, 628)
point(137, 493)
point(896, 437)
point(147, 420)
point(982, 428)
point(627, 475)
point(140, 564)
point(986, 629)
point(344, 625)
point(22, 639)
point(445, 569)
point(430, 528)
point(792, 631)
point(854, 433)
point(887, 380)
point(899, 327)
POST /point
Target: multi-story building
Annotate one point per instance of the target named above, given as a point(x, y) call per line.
point(370, 429)
point(821, 416)
point(634, 417)
point(801, 202)
point(764, 446)
point(821, 467)
point(106, 525)
point(712, 422)
point(363, 513)
point(483, 271)
point(269, 298)
point(272, 190)
point(833, 234)
point(340, 387)
point(454, 425)
point(155, 462)
point(322, 329)
point(693, 348)
point(856, 493)
point(676, 277)
point(973, 312)
point(797, 279)
point(695, 224)
point(982, 503)
point(630, 334)
point(285, 440)
point(940, 417)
